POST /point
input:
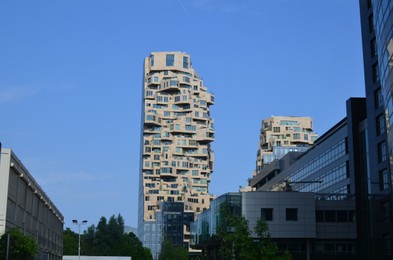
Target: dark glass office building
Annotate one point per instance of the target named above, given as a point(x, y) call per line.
point(374, 182)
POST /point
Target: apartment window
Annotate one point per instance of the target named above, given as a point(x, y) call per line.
point(296, 136)
point(306, 137)
point(371, 23)
point(373, 47)
point(375, 73)
point(378, 99)
point(291, 214)
point(185, 62)
point(152, 60)
point(382, 152)
point(276, 129)
point(383, 179)
point(267, 214)
point(381, 124)
point(195, 88)
point(170, 59)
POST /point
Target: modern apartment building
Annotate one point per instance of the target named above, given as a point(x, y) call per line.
point(374, 185)
point(282, 134)
point(177, 131)
point(24, 205)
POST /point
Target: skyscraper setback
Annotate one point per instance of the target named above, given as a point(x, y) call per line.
point(176, 155)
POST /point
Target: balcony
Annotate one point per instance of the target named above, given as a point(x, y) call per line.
point(151, 119)
point(169, 85)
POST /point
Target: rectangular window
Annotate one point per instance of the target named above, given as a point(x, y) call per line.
point(330, 216)
point(382, 152)
point(342, 216)
point(380, 124)
point(319, 216)
point(373, 47)
point(296, 136)
point(267, 214)
point(170, 59)
point(291, 214)
point(371, 23)
point(378, 99)
point(276, 129)
point(185, 62)
point(375, 73)
point(152, 60)
point(383, 179)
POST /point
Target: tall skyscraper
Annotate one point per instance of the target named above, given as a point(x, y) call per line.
point(374, 187)
point(177, 131)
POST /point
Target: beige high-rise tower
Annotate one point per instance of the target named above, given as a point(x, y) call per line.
point(281, 134)
point(177, 159)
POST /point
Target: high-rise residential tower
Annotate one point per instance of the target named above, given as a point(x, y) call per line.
point(281, 134)
point(177, 131)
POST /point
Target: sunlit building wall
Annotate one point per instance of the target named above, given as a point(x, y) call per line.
point(177, 131)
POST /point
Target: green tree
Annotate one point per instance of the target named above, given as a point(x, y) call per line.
point(169, 251)
point(108, 239)
point(70, 242)
point(22, 247)
point(234, 234)
point(236, 241)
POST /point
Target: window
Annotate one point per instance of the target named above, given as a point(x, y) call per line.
point(383, 179)
point(319, 216)
point(371, 23)
point(276, 129)
point(373, 47)
point(382, 152)
point(306, 137)
point(291, 214)
point(378, 99)
point(152, 60)
point(342, 216)
point(170, 59)
point(330, 216)
point(375, 73)
point(380, 124)
point(296, 136)
point(267, 214)
point(185, 62)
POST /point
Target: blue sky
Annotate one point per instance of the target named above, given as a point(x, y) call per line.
point(71, 80)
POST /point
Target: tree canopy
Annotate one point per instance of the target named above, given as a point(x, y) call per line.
point(169, 251)
point(21, 247)
point(106, 239)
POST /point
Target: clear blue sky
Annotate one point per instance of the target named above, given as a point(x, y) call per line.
point(71, 80)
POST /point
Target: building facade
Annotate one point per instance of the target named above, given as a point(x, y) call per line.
point(24, 205)
point(281, 134)
point(303, 223)
point(177, 131)
point(375, 184)
point(322, 168)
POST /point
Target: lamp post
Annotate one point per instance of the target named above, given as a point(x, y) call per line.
point(79, 234)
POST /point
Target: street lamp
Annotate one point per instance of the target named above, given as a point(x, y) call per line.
point(79, 234)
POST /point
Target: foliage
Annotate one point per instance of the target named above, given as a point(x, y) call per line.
point(70, 242)
point(22, 247)
point(108, 239)
point(236, 241)
point(169, 251)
